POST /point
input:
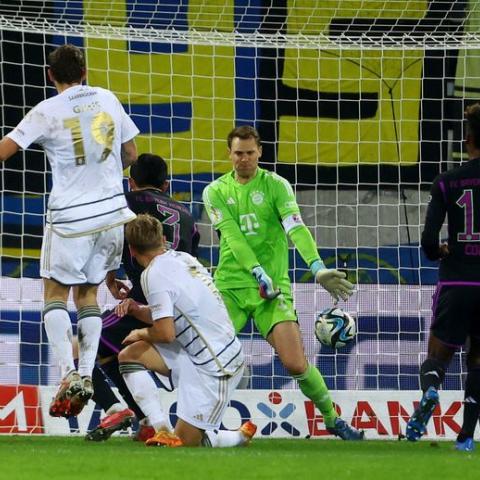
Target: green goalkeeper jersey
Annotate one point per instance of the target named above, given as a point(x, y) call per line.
point(252, 220)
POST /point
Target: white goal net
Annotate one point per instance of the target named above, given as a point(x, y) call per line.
point(359, 105)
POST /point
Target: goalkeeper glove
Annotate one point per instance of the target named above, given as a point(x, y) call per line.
point(332, 280)
point(265, 284)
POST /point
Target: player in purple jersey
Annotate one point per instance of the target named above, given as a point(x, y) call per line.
point(148, 186)
point(455, 195)
point(148, 183)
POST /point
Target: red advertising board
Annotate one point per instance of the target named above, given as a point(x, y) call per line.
point(20, 410)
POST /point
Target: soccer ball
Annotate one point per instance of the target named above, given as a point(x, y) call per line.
point(335, 328)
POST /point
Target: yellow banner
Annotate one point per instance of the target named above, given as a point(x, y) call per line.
point(195, 90)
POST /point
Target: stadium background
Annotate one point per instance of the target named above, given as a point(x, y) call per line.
point(187, 122)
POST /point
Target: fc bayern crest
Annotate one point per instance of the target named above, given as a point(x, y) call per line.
point(257, 197)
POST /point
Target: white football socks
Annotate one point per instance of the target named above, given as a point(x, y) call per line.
point(89, 331)
point(145, 393)
point(224, 438)
point(59, 331)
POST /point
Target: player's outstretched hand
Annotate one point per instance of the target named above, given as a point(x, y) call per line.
point(266, 288)
point(332, 281)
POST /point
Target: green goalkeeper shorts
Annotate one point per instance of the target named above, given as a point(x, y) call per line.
point(245, 303)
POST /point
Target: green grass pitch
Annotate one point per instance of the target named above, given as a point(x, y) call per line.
point(71, 458)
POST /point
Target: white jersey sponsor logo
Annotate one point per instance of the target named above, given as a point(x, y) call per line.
point(249, 223)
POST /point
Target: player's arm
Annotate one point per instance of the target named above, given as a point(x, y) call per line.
point(229, 229)
point(331, 279)
point(129, 153)
point(231, 234)
point(130, 307)
point(7, 148)
point(160, 301)
point(287, 207)
point(118, 289)
point(162, 331)
point(434, 219)
point(128, 132)
point(30, 130)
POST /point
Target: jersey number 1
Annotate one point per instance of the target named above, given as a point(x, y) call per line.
point(102, 129)
point(466, 202)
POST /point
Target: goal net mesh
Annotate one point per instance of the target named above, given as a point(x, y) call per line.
point(359, 105)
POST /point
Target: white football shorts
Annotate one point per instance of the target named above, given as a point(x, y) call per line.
point(201, 398)
point(81, 260)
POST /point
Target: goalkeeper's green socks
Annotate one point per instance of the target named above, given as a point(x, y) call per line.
point(313, 386)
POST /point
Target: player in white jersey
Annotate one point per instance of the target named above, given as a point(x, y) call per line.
point(88, 139)
point(191, 338)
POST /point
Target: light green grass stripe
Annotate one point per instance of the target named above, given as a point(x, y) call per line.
point(54, 458)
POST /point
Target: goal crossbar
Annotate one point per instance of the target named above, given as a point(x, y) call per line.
point(257, 39)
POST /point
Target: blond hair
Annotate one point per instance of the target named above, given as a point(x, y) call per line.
point(145, 233)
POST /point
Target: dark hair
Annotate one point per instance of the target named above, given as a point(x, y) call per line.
point(244, 133)
point(149, 169)
point(472, 115)
point(67, 64)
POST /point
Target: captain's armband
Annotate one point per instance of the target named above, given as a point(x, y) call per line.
point(292, 221)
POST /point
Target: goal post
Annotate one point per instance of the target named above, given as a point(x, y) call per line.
point(359, 105)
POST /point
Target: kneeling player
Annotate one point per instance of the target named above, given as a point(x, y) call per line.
point(148, 186)
point(194, 336)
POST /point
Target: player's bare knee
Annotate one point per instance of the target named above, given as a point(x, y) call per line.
point(133, 352)
point(189, 435)
point(128, 354)
point(295, 366)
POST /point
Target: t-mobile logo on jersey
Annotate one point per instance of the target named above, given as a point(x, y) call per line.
point(248, 224)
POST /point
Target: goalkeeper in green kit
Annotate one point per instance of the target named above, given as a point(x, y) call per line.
point(253, 210)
